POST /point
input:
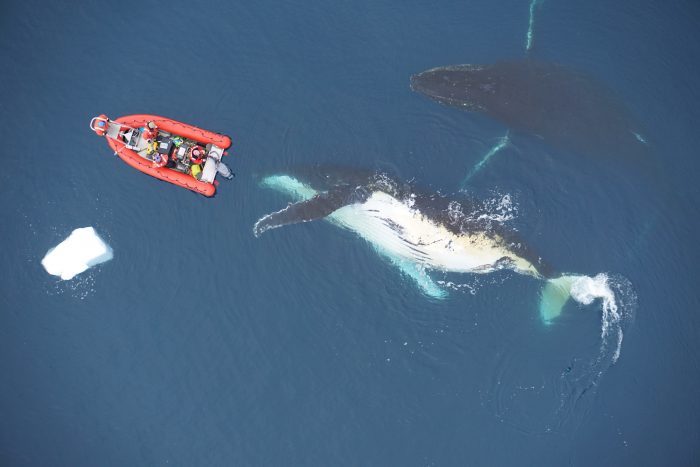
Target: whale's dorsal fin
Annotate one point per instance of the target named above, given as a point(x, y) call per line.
point(318, 207)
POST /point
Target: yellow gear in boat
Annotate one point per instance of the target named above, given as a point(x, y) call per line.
point(152, 147)
point(196, 171)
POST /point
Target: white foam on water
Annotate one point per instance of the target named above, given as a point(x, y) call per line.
point(585, 290)
point(81, 250)
point(500, 209)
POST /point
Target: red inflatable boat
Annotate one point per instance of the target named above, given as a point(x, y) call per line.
point(167, 149)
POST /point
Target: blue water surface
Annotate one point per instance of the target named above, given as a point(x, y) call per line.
point(199, 344)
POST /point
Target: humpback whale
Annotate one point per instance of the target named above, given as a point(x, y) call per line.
point(567, 109)
point(415, 231)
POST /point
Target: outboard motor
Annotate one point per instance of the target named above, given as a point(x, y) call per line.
point(224, 171)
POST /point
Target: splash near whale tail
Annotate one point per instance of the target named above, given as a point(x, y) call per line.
point(583, 289)
point(617, 300)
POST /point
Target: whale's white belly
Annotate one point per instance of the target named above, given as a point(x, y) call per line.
point(395, 227)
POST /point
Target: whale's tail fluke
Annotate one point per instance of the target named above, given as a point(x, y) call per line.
point(554, 296)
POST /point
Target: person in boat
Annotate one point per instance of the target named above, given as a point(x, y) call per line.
point(197, 154)
point(150, 131)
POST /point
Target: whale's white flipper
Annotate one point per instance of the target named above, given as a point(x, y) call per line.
point(290, 186)
point(81, 250)
point(419, 275)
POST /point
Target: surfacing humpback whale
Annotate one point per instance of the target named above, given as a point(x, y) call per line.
point(416, 232)
point(567, 109)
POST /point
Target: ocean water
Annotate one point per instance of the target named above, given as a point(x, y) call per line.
point(200, 344)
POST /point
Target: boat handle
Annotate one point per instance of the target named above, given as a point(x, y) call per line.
point(92, 123)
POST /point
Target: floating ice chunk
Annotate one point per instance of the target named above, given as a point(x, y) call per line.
point(82, 249)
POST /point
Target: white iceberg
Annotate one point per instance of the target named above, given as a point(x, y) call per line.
point(81, 250)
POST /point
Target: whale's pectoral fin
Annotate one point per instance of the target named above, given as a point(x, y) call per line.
point(417, 273)
point(421, 277)
point(317, 207)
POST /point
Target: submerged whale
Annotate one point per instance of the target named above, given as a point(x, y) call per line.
point(416, 232)
point(567, 109)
